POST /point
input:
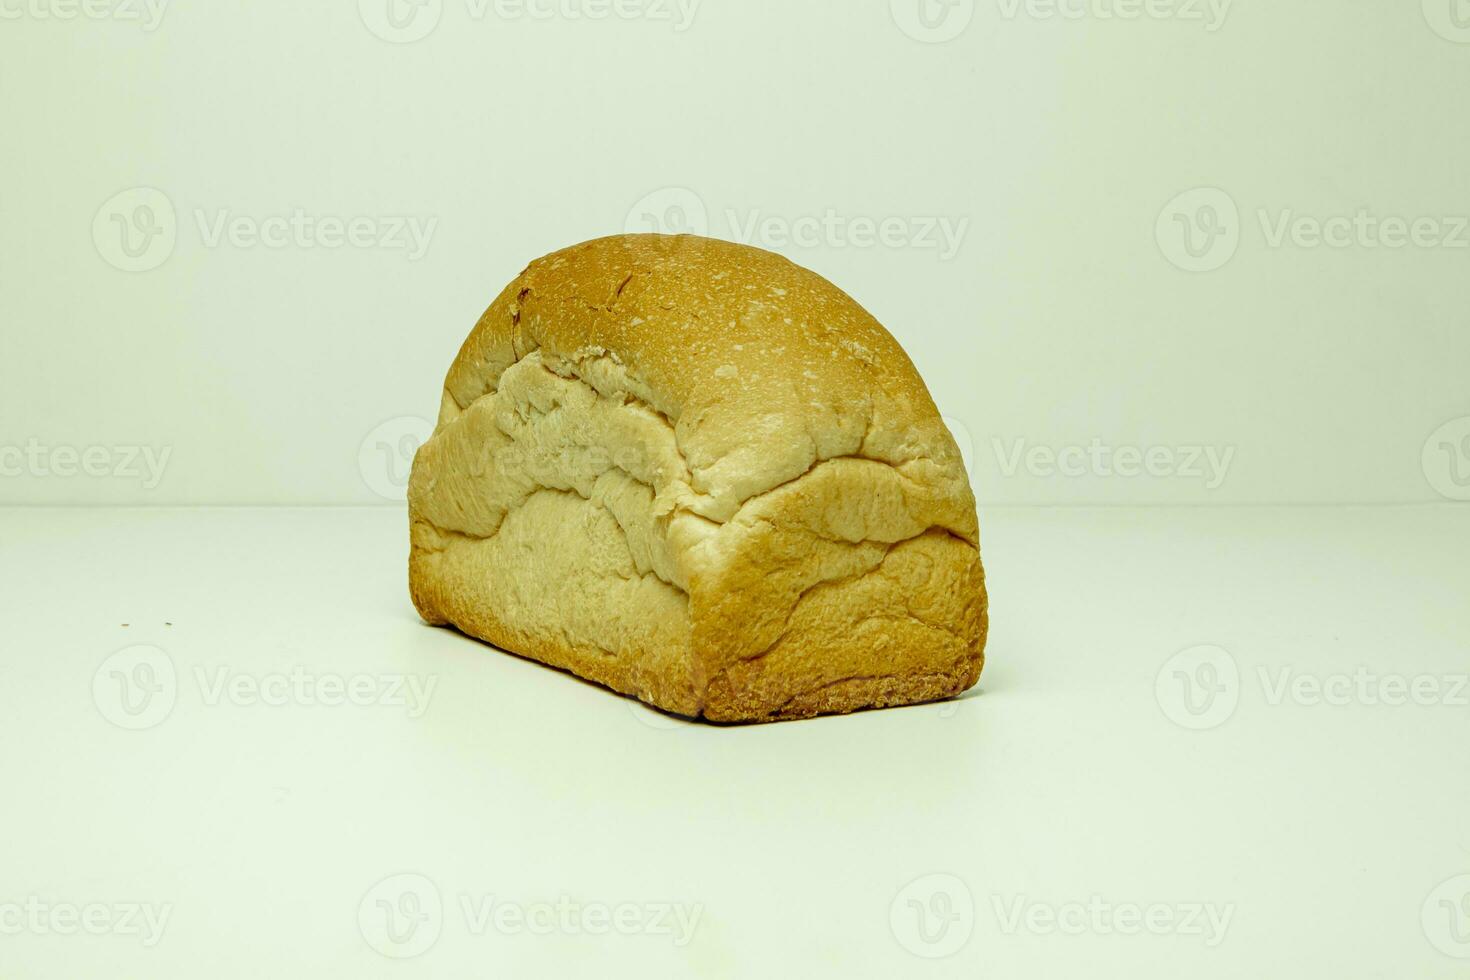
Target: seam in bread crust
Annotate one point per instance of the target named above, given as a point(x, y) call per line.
point(632, 397)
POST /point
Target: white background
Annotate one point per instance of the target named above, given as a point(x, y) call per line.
point(1225, 241)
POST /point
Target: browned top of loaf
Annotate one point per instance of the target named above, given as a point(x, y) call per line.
point(762, 367)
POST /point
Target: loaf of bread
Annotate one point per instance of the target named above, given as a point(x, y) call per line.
point(704, 477)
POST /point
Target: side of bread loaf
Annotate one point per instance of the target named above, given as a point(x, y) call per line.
point(704, 477)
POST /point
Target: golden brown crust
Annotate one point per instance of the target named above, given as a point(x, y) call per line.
point(701, 475)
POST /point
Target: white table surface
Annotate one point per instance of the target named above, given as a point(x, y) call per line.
point(549, 828)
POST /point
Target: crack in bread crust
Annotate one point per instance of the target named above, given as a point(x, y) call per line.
point(630, 397)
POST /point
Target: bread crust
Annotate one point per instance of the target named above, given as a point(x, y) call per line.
point(703, 476)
